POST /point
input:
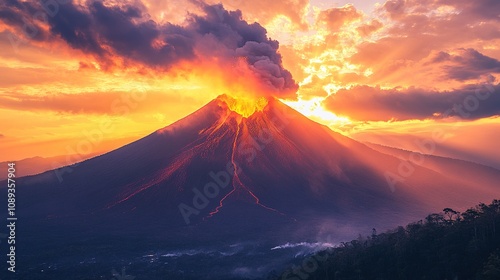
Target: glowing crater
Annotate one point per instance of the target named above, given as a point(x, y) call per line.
point(244, 106)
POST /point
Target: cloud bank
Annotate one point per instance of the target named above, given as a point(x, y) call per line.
point(365, 103)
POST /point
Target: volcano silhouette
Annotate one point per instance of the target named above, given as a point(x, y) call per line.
point(216, 174)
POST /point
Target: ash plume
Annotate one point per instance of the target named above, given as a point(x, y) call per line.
point(120, 35)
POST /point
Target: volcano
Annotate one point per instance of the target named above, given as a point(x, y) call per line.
point(270, 175)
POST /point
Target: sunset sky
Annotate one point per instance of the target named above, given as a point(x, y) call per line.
point(110, 72)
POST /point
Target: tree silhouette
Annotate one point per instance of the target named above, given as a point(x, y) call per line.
point(491, 270)
point(447, 245)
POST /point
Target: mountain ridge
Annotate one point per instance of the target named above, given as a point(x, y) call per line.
point(289, 167)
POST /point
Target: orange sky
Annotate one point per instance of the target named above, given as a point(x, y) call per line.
point(382, 72)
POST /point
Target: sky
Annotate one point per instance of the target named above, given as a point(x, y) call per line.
point(83, 77)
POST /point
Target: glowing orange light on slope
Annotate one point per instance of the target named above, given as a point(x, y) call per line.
point(245, 106)
point(237, 183)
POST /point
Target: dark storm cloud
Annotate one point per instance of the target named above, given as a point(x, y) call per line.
point(468, 64)
point(76, 28)
point(366, 103)
point(484, 9)
point(10, 17)
point(26, 16)
point(116, 28)
point(127, 33)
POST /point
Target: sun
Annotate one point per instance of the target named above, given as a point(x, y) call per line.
point(314, 110)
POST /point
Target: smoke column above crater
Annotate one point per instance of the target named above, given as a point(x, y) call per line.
point(122, 35)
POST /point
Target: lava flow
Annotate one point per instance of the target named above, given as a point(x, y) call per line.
point(237, 184)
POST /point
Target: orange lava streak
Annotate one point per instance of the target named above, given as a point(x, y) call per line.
point(221, 203)
point(236, 178)
point(234, 175)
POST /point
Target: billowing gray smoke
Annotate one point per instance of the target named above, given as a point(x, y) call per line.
point(126, 32)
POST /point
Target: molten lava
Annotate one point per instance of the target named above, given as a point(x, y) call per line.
point(244, 106)
point(237, 183)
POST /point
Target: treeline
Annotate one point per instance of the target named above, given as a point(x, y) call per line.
point(448, 245)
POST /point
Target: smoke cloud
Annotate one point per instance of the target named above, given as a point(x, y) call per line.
point(124, 34)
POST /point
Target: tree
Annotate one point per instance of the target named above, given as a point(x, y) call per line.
point(445, 246)
point(495, 208)
point(451, 215)
point(471, 215)
point(491, 269)
point(490, 213)
point(434, 219)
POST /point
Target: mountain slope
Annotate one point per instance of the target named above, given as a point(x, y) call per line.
point(294, 178)
point(36, 165)
point(473, 174)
